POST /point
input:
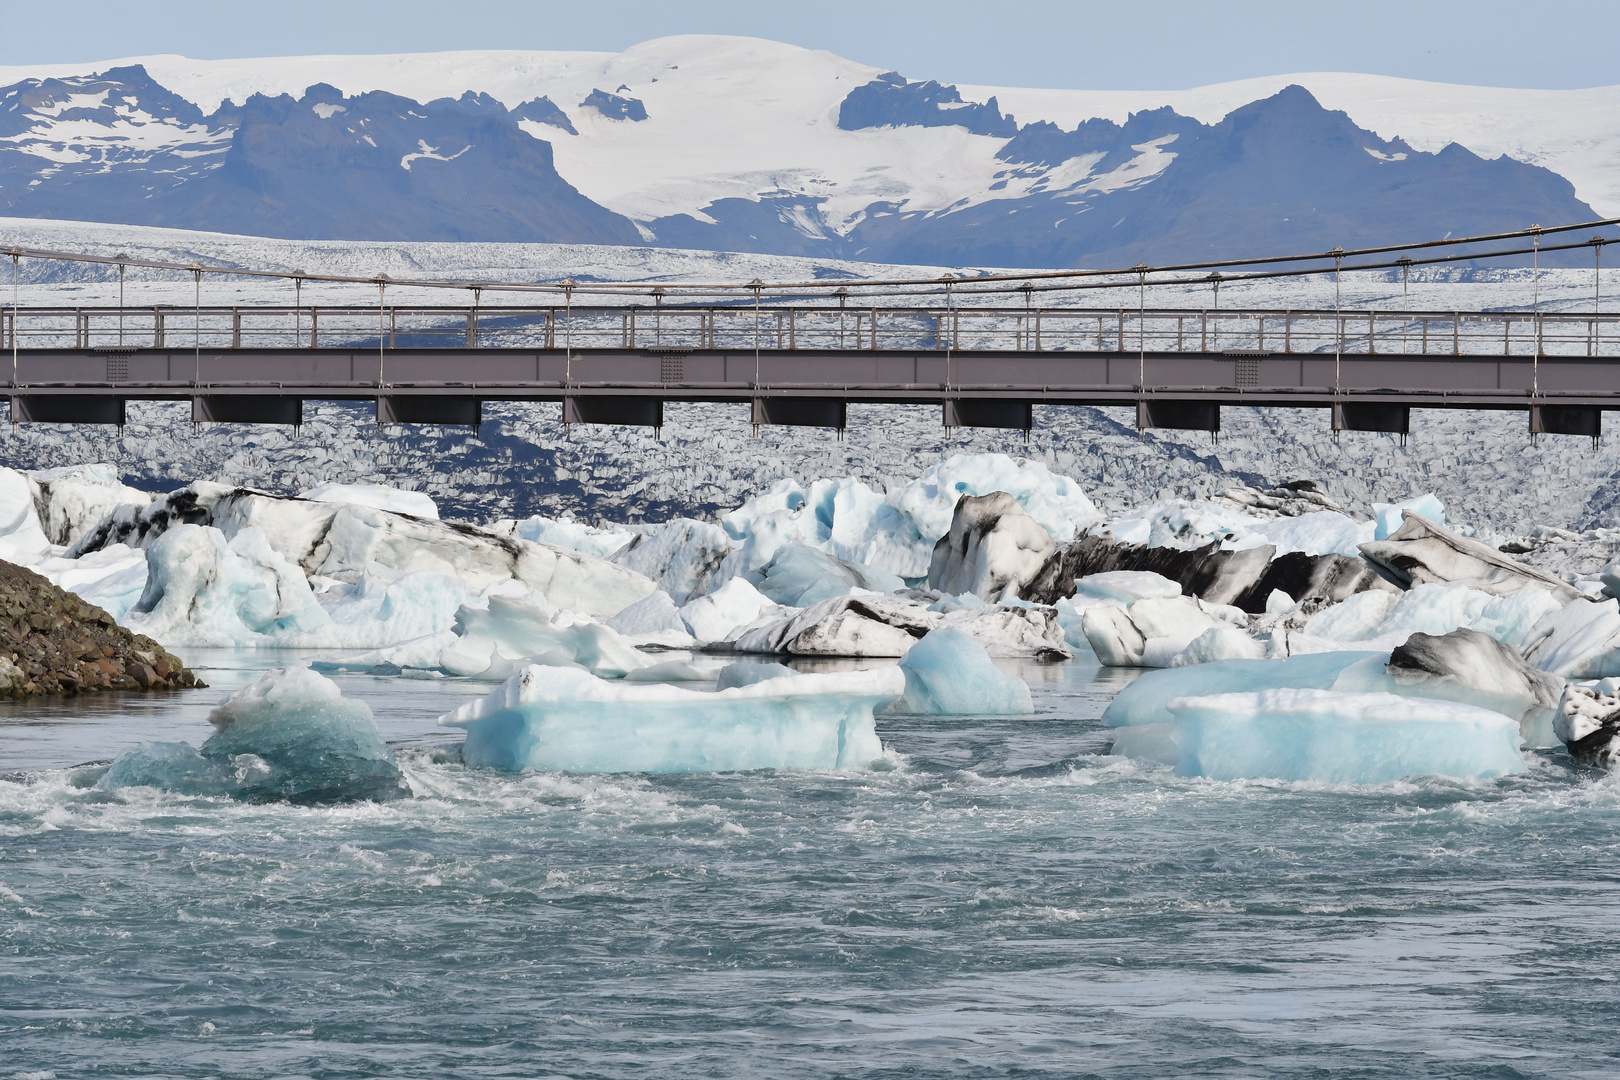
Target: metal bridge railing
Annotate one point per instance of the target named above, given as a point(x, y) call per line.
point(1113, 330)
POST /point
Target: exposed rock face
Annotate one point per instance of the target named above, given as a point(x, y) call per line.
point(993, 544)
point(51, 642)
point(1421, 552)
point(1243, 579)
point(1588, 721)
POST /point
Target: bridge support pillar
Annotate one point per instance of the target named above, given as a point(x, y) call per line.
point(1567, 420)
point(612, 409)
point(247, 409)
point(1179, 415)
point(989, 413)
point(799, 412)
point(1369, 416)
point(448, 411)
point(67, 409)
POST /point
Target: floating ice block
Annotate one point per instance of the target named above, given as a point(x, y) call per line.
point(290, 736)
point(560, 719)
point(1338, 737)
point(949, 673)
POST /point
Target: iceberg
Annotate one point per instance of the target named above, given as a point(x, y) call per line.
point(1385, 619)
point(1390, 516)
point(896, 533)
point(1578, 641)
point(377, 497)
point(22, 537)
point(1146, 700)
point(800, 575)
point(995, 549)
point(949, 673)
point(1588, 722)
point(1332, 736)
point(715, 617)
point(1422, 552)
point(291, 736)
point(575, 536)
point(684, 557)
point(564, 720)
point(73, 499)
point(1468, 667)
point(653, 620)
point(202, 590)
point(514, 629)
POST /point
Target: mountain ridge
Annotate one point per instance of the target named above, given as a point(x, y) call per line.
point(679, 148)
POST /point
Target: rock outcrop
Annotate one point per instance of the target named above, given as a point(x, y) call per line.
point(51, 642)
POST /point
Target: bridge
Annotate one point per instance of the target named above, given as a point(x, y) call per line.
point(803, 364)
point(983, 349)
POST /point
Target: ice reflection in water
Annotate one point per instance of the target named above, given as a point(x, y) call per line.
point(1007, 900)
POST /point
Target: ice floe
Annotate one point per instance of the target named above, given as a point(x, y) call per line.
point(570, 721)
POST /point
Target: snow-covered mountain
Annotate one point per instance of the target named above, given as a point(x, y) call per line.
point(738, 144)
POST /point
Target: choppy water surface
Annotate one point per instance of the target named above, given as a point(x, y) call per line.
point(1005, 901)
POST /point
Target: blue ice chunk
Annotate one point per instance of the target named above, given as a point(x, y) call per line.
point(291, 736)
point(1389, 514)
point(1337, 737)
point(948, 673)
point(746, 674)
point(1144, 701)
point(565, 720)
point(800, 576)
point(318, 745)
point(168, 766)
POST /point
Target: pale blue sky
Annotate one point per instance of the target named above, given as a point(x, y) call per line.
point(1161, 44)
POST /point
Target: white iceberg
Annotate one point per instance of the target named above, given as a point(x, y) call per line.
point(1377, 619)
point(653, 620)
point(560, 719)
point(377, 497)
point(1146, 699)
point(510, 630)
point(1333, 736)
point(1578, 641)
point(896, 532)
point(569, 535)
point(718, 615)
point(949, 673)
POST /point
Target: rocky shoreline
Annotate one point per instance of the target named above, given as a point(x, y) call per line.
point(52, 642)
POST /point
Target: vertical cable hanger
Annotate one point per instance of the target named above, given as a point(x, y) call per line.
point(1338, 339)
point(1535, 318)
point(568, 347)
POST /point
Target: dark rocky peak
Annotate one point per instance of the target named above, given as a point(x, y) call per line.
point(613, 106)
point(544, 111)
point(890, 101)
point(118, 94)
point(1293, 118)
point(1044, 143)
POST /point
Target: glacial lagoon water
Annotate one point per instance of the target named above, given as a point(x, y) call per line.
point(1006, 900)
